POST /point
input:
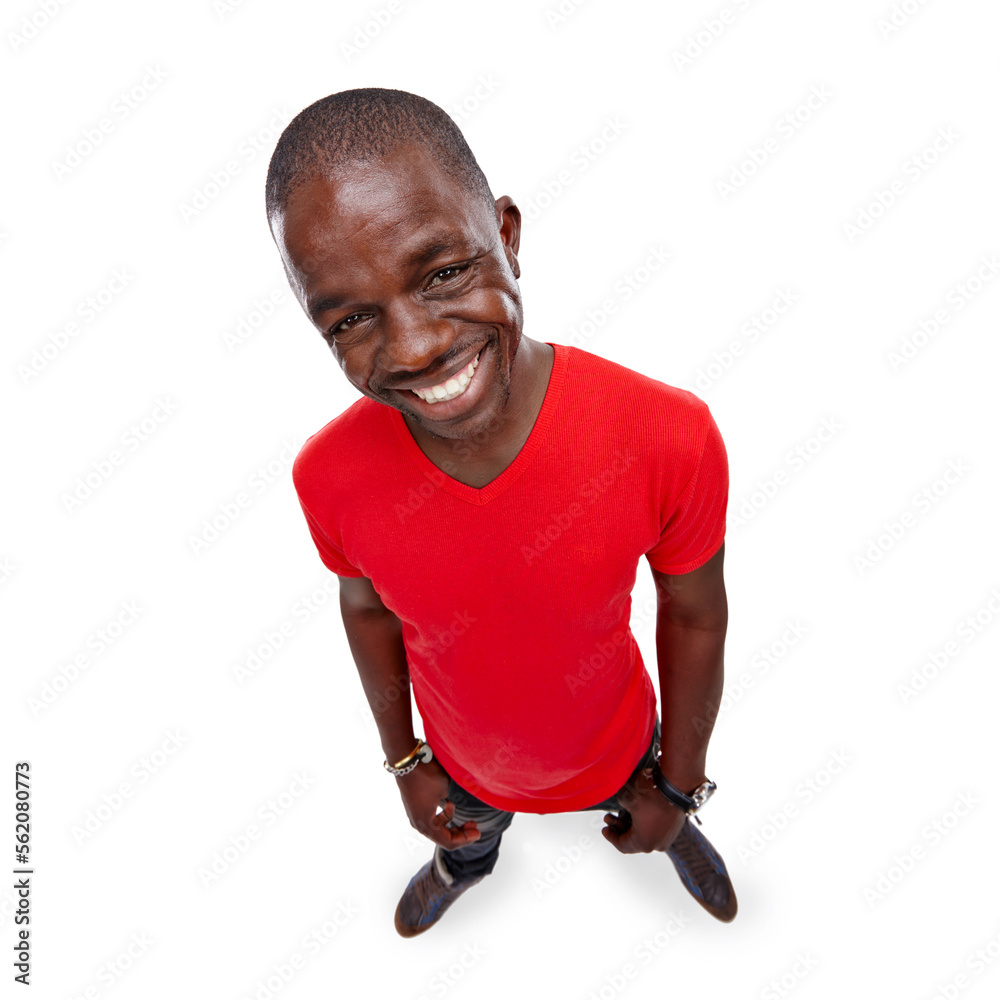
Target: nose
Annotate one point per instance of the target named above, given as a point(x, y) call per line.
point(413, 339)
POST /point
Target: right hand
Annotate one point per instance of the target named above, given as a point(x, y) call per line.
point(423, 790)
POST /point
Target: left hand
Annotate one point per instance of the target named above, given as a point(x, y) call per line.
point(648, 820)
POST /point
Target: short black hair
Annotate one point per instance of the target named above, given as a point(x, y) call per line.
point(361, 125)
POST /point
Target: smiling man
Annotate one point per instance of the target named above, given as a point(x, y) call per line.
point(485, 506)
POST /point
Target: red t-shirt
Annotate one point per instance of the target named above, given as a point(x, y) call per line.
point(515, 598)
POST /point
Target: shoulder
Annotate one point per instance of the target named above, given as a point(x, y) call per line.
point(338, 445)
point(662, 408)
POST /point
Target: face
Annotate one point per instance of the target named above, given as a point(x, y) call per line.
point(411, 280)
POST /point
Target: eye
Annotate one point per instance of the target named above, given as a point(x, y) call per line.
point(447, 274)
point(347, 324)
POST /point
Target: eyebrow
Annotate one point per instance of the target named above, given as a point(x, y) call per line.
point(325, 304)
point(417, 258)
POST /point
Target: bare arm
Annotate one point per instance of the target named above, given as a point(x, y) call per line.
point(375, 635)
point(691, 620)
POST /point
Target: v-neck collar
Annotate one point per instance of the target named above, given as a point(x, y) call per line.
point(495, 487)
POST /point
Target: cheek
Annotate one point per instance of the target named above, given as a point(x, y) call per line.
point(493, 306)
point(355, 365)
point(515, 314)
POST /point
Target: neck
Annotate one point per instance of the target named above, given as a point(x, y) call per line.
point(483, 454)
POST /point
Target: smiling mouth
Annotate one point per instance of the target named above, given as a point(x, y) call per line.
point(451, 388)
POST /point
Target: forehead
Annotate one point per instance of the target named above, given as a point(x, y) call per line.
point(379, 207)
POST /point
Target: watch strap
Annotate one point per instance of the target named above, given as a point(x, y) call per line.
point(689, 804)
point(671, 792)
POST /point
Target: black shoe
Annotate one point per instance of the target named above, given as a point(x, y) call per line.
point(425, 900)
point(703, 872)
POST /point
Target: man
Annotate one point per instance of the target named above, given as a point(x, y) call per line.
point(485, 506)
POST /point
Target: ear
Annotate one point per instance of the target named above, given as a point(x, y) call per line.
point(509, 224)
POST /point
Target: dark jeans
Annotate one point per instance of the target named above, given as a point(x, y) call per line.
point(473, 860)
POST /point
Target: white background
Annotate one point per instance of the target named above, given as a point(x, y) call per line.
point(858, 890)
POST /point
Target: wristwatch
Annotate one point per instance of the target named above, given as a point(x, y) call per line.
point(687, 803)
point(421, 752)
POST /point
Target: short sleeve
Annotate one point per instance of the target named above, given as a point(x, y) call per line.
point(696, 528)
point(332, 555)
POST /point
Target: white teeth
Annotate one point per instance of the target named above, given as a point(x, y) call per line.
point(455, 386)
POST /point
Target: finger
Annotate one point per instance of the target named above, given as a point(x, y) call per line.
point(463, 833)
point(467, 829)
point(613, 825)
point(622, 819)
point(624, 842)
point(614, 822)
point(620, 831)
point(443, 817)
point(448, 837)
point(459, 837)
point(446, 817)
